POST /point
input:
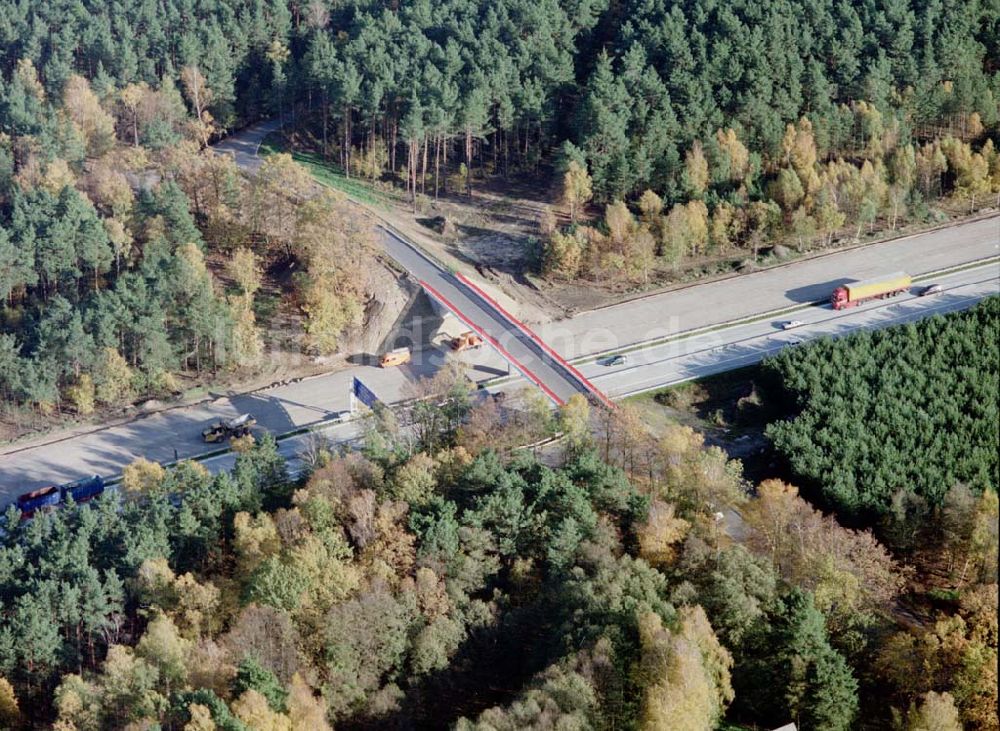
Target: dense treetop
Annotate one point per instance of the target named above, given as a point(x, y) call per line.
point(432, 579)
point(911, 408)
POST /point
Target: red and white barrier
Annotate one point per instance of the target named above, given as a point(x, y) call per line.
point(492, 341)
point(541, 343)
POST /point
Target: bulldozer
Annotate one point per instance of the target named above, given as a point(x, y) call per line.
point(228, 428)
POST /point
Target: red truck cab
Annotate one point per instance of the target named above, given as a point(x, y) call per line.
point(841, 298)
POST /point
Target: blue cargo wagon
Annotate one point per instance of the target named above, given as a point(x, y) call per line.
point(83, 490)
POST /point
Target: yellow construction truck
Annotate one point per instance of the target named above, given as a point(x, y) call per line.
point(228, 428)
point(396, 357)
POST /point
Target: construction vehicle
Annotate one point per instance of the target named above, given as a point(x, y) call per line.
point(396, 357)
point(53, 496)
point(854, 293)
point(466, 341)
point(227, 429)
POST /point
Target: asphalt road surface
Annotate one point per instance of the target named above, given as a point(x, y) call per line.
point(176, 433)
point(524, 353)
point(243, 145)
point(686, 358)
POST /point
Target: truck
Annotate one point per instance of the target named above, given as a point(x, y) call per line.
point(53, 496)
point(396, 357)
point(854, 293)
point(466, 341)
point(40, 499)
point(83, 490)
point(227, 429)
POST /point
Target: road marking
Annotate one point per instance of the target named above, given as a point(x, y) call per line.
point(541, 343)
point(492, 341)
point(941, 308)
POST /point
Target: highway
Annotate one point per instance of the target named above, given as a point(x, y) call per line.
point(479, 315)
point(176, 433)
point(313, 400)
point(809, 280)
point(721, 349)
point(309, 402)
point(449, 292)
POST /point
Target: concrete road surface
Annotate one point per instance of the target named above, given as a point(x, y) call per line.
point(686, 358)
point(281, 409)
point(810, 280)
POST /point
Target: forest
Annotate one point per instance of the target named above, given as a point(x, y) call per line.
point(130, 257)
point(894, 416)
point(447, 578)
point(443, 576)
point(685, 133)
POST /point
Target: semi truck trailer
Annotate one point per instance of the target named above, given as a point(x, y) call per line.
point(854, 293)
point(51, 497)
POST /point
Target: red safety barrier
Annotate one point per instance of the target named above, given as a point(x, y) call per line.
point(541, 343)
point(492, 341)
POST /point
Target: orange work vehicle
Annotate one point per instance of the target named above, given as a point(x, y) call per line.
point(465, 341)
point(396, 357)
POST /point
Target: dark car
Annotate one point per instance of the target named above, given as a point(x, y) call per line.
point(931, 289)
point(615, 360)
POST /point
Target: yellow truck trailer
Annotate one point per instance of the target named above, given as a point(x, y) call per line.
point(854, 293)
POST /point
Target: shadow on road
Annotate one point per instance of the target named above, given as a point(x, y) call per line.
point(364, 359)
point(271, 411)
point(491, 370)
point(817, 292)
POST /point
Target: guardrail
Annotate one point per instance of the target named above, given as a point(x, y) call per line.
point(525, 371)
point(569, 367)
point(766, 315)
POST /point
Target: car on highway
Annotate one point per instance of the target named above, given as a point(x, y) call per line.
point(795, 341)
point(931, 289)
point(791, 324)
point(616, 360)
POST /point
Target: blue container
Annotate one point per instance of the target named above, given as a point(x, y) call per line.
point(83, 490)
